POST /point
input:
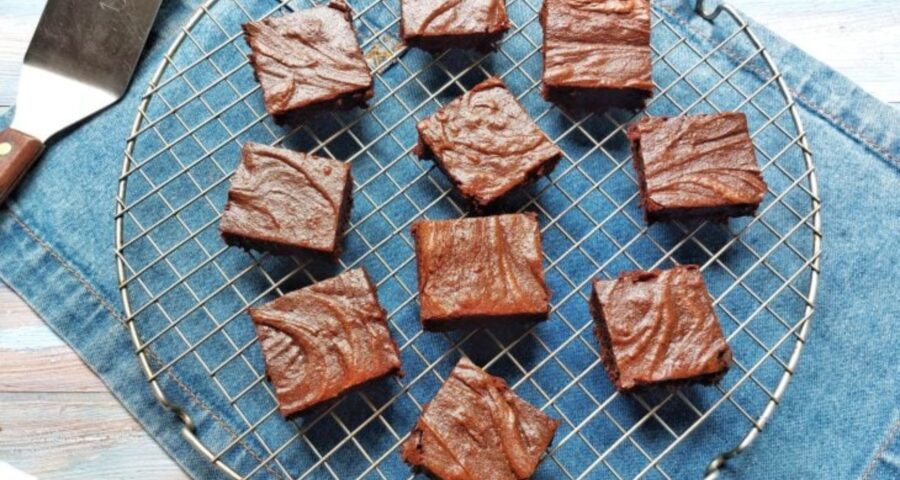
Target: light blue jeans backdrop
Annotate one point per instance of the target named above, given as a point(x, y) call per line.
point(840, 417)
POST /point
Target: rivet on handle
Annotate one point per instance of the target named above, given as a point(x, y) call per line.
point(18, 151)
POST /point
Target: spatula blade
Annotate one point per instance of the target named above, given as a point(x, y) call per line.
point(80, 60)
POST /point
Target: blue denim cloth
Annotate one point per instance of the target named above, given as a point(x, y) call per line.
point(839, 417)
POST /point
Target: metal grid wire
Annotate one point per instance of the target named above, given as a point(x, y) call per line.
point(186, 293)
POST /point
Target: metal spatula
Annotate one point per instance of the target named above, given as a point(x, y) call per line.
point(80, 61)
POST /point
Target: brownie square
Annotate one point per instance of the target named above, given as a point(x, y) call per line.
point(286, 202)
point(439, 24)
point(486, 144)
point(658, 328)
point(597, 53)
point(308, 60)
point(477, 428)
point(696, 166)
point(322, 340)
point(478, 272)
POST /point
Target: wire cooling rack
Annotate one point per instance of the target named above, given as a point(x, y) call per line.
point(186, 293)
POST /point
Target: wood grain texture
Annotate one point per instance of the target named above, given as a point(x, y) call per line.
point(58, 421)
point(859, 38)
point(77, 436)
point(34, 359)
point(18, 152)
point(18, 19)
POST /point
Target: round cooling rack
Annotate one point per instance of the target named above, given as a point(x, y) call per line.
point(185, 292)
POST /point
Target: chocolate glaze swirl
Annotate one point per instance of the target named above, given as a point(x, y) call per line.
point(475, 428)
point(307, 57)
point(486, 143)
point(605, 6)
point(453, 17)
point(659, 327)
point(321, 340)
point(597, 44)
point(486, 267)
point(287, 198)
point(697, 162)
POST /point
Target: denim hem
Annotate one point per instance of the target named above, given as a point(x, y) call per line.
point(887, 445)
point(37, 259)
point(86, 287)
point(50, 261)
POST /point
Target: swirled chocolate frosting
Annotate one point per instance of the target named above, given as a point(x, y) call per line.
point(701, 165)
point(476, 428)
point(597, 52)
point(324, 339)
point(480, 271)
point(486, 144)
point(438, 24)
point(308, 58)
point(285, 201)
point(658, 328)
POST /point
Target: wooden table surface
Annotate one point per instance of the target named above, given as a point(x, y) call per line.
point(58, 421)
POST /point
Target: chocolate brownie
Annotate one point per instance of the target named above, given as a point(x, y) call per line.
point(597, 53)
point(696, 166)
point(286, 202)
point(441, 24)
point(658, 328)
point(322, 340)
point(486, 144)
point(482, 271)
point(477, 428)
point(308, 60)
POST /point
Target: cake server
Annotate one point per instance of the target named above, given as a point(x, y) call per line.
point(79, 62)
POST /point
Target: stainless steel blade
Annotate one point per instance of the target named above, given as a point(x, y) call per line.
point(80, 60)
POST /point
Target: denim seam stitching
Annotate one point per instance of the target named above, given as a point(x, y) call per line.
point(112, 311)
point(77, 275)
point(895, 429)
point(80, 356)
point(848, 130)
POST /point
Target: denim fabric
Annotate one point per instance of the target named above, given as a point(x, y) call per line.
point(839, 417)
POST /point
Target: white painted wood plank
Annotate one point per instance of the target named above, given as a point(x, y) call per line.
point(34, 359)
point(13, 312)
point(57, 420)
point(82, 432)
point(29, 370)
point(78, 436)
point(17, 21)
point(859, 38)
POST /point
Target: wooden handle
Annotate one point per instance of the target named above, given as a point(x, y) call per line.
point(18, 152)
